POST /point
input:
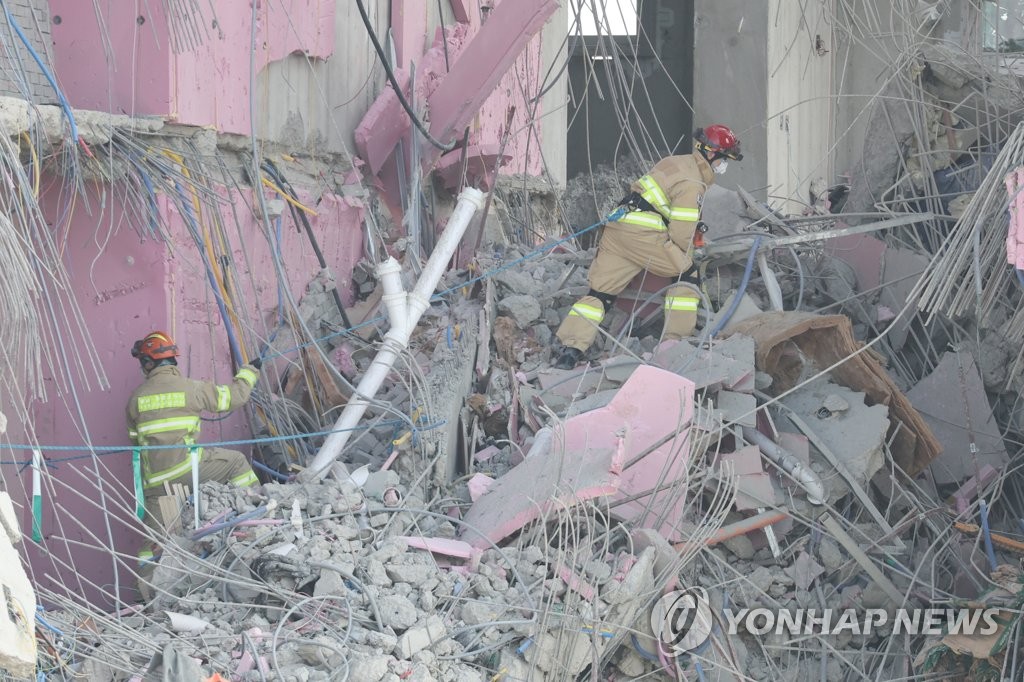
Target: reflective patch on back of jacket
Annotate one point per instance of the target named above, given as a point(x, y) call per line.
point(160, 401)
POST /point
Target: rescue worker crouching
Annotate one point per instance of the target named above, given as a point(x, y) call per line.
point(656, 234)
point(166, 410)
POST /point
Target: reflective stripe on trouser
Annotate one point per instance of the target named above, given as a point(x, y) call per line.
point(216, 464)
point(579, 328)
point(625, 250)
point(681, 304)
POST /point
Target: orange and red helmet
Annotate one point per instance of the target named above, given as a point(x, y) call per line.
point(155, 346)
point(717, 141)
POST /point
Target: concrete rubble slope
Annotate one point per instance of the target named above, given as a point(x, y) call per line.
point(837, 442)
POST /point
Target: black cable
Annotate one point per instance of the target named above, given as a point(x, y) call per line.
point(444, 36)
point(300, 216)
point(394, 82)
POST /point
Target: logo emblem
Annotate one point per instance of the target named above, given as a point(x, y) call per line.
point(682, 620)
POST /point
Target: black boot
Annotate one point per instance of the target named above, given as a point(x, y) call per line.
point(569, 358)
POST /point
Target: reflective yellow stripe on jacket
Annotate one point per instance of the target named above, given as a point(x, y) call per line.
point(654, 194)
point(647, 219)
point(160, 401)
point(143, 429)
point(223, 398)
point(247, 375)
point(690, 215)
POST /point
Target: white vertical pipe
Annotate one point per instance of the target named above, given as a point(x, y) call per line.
point(470, 201)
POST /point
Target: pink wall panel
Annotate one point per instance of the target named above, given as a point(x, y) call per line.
point(126, 289)
point(120, 292)
point(119, 65)
point(210, 85)
point(136, 71)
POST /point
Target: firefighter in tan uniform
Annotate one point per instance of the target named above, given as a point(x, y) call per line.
point(166, 410)
point(656, 234)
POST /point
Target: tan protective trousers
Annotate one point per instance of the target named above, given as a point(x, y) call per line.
point(625, 251)
point(218, 464)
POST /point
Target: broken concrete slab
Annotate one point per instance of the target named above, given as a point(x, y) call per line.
point(725, 364)
point(541, 484)
point(949, 398)
point(828, 342)
point(738, 408)
point(856, 436)
point(902, 268)
point(652, 413)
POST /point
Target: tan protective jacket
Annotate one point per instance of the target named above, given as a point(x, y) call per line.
point(675, 187)
point(166, 409)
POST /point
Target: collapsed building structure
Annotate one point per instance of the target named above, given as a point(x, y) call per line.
point(398, 245)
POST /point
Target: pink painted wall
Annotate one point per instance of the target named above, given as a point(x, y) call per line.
point(126, 289)
point(138, 72)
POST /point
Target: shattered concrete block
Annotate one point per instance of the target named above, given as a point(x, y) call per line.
point(478, 486)
point(397, 611)
point(368, 668)
point(418, 638)
point(17, 601)
point(414, 574)
point(523, 309)
point(477, 612)
point(856, 436)
point(738, 408)
point(945, 398)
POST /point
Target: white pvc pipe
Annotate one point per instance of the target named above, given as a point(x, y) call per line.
point(771, 283)
point(789, 463)
point(404, 312)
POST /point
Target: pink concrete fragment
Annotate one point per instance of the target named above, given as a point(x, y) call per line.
point(481, 161)
point(386, 122)
point(743, 462)
point(482, 63)
point(462, 9)
point(969, 490)
point(864, 254)
point(543, 485)
point(884, 314)
point(445, 546)
point(486, 453)
point(409, 29)
point(478, 485)
point(575, 582)
point(653, 404)
point(1015, 234)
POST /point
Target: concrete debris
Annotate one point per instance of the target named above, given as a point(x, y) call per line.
point(494, 518)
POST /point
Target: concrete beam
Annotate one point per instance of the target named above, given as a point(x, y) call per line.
point(481, 65)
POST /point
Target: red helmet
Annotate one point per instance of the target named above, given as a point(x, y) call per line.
point(155, 346)
point(717, 140)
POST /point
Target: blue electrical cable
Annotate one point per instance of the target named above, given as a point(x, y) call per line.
point(46, 72)
point(989, 551)
point(270, 472)
point(724, 320)
point(193, 226)
point(119, 449)
point(1020, 277)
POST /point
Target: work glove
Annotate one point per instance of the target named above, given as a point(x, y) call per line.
point(256, 363)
